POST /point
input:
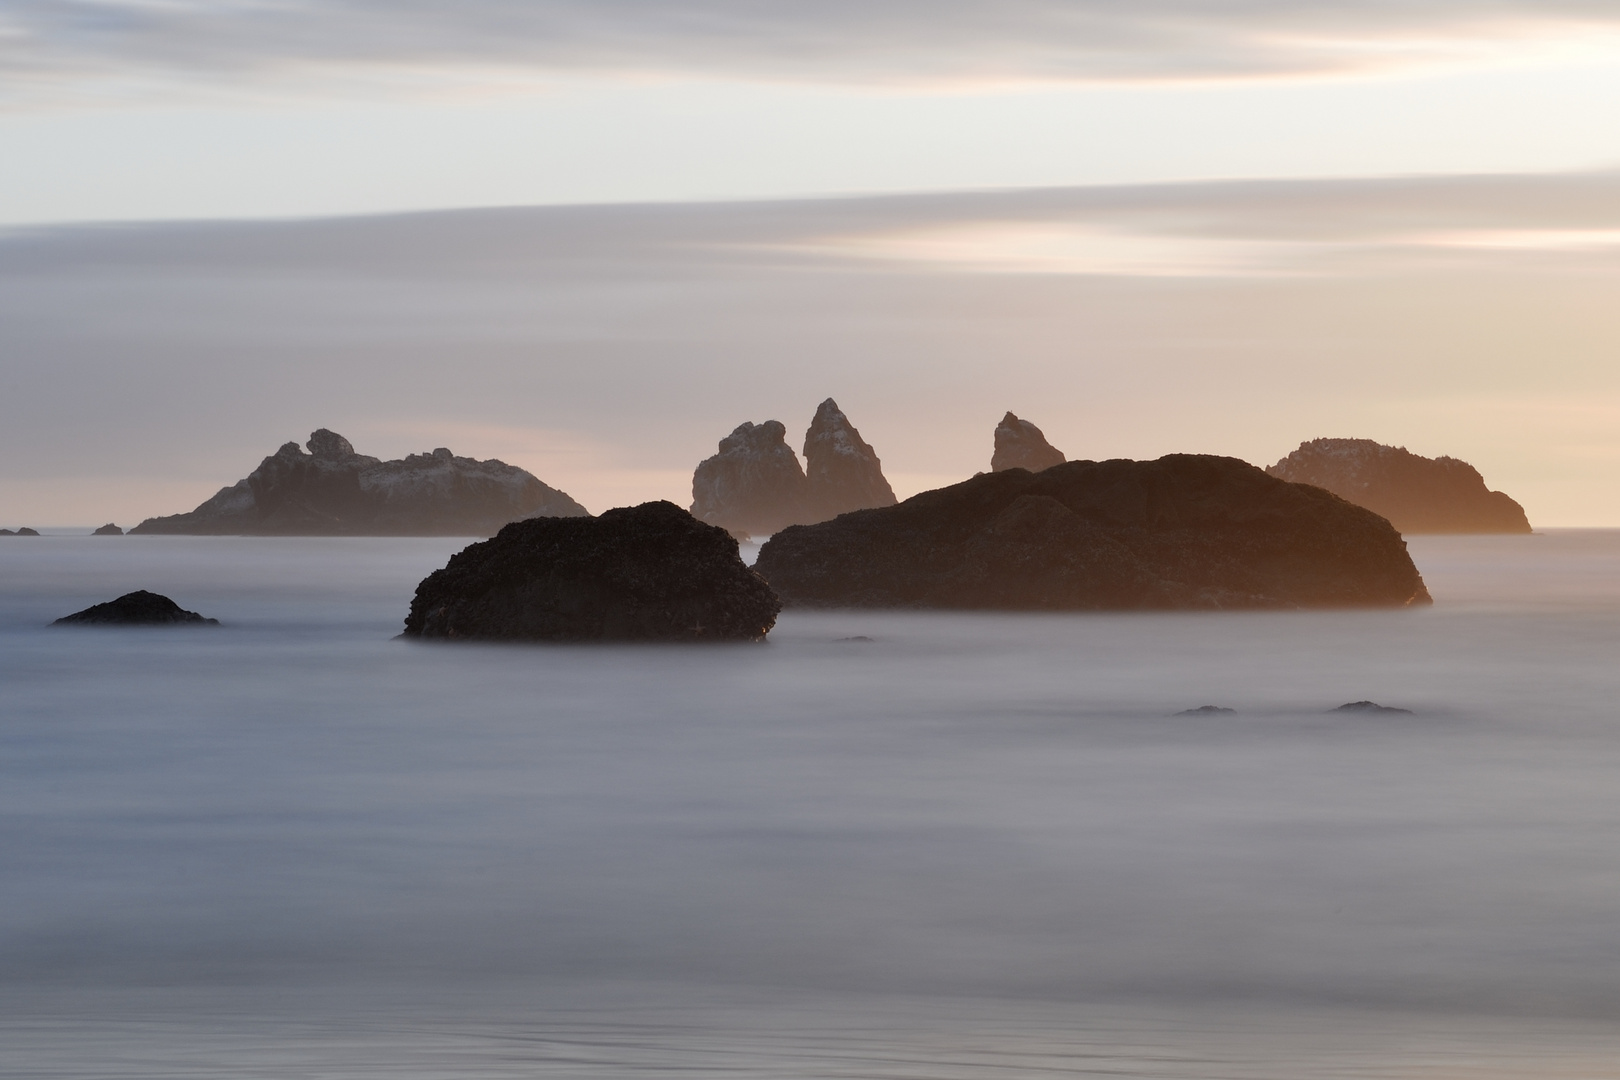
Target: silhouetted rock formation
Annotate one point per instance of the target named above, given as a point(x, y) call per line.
point(1185, 531)
point(333, 491)
point(140, 608)
point(108, 529)
point(644, 573)
point(1206, 710)
point(1369, 707)
point(24, 531)
point(1020, 445)
point(1417, 494)
point(843, 471)
point(754, 484)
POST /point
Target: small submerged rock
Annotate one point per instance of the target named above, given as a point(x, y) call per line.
point(1368, 707)
point(140, 608)
point(108, 529)
point(1205, 710)
point(642, 573)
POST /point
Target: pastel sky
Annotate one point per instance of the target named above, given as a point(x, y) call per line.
point(1151, 226)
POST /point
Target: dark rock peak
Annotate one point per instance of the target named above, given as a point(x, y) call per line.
point(1369, 707)
point(329, 444)
point(1417, 494)
point(754, 484)
point(1206, 710)
point(1185, 531)
point(644, 573)
point(842, 469)
point(108, 529)
point(1020, 445)
point(26, 531)
point(139, 608)
point(335, 491)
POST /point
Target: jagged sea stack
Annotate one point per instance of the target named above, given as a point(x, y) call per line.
point(842, 470)
point(334, 491)
point(1417, 494)
point(1020, 445)
point(1186, 531)
point(641, 573)
point(754, 485)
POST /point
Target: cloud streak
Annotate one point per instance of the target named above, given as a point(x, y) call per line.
point(50, 42)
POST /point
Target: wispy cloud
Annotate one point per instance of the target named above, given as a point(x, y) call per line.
point(885, 41)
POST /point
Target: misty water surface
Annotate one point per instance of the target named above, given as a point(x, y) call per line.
point(880, 845)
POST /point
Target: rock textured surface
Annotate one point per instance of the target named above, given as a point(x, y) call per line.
point(644, 573)
point(1185, 531)
point(842, 469)
point(1417, 494)
point(334, 491)
point(1020, 445)
point(140, 608)
point(754, 484)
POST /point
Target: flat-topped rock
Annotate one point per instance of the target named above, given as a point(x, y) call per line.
point(754, 484)
point(1417, 494)
point(333, 491)
point(1019, 444)
point(140, 608)
point(1186, 531)
point(643, 573)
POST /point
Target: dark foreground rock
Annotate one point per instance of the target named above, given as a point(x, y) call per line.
point(140, 608)
point(642, 573)
point(1185, 531)
point(1417, 494)
point(334, 491)
point(108, 529)
point(1021, 445)
point(754, 484)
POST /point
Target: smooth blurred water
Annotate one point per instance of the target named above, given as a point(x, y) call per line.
point(972, 845)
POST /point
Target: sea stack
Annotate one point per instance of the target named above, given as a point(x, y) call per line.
point(108, 529)
point(754, 485)
point(642, 573)
point(334, 491)
point(1417, 494)
point(1020, 445)
point(1188, 531)
point(842, 469)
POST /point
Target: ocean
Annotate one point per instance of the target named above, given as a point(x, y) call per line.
point(883, 845)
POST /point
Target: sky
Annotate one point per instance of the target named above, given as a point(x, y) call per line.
point(1154, 226)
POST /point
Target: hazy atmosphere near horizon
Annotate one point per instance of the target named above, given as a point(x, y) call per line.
point(412, 734)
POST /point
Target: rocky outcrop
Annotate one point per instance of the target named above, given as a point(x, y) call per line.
point(1185, 531)
point(108, 529)
point(140, 608)
point(644, 573)
point(1417, 494)
point(754, 484)
point(334, 491)
point(24, 531)
point(1020, 445)
point(842, 469)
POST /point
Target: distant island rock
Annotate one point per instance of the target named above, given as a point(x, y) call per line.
point(1368, 707)
point(334, 491)
point(1021, 445)
point(1417, 494)
point(755, 485)
point(643, 573)
point(24, 531)
point(140, 608)
point(108, 529)
point(1186, 531)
